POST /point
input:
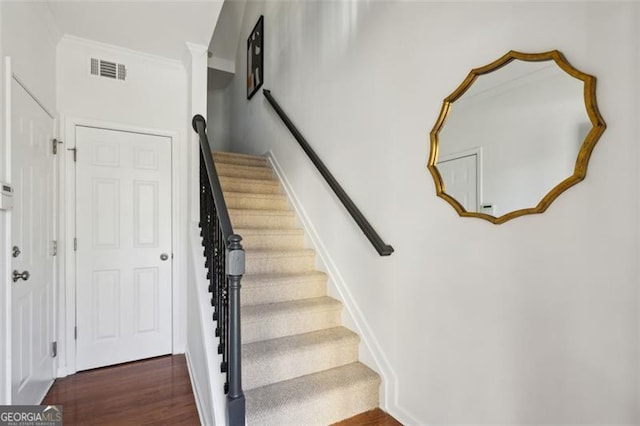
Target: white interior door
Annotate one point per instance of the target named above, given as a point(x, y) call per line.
point(123, 256)
point(460, 176)
point(32, 228)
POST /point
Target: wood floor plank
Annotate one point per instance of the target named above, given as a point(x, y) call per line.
point(375, 417)
point(156, 391)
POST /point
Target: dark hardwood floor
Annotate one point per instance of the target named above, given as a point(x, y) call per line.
point(156, 391)
point(375, 417)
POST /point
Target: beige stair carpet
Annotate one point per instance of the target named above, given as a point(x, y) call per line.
point(300, 366)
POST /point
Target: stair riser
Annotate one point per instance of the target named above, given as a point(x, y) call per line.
point(272, 241)
point(231, 170)
point(327, 408)
point(279, 265)
point(243, 220)
point(265, 187)
point(234, 202)
point(256, 373)
point(283, 293)
point(289, 324)
point(240, 161)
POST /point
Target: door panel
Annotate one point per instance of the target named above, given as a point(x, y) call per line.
point(460, 180)
point(123, 220)
point(32, 220)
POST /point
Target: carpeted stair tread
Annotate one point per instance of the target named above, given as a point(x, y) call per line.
point(256, 201)
point(274, 288)
point(269, 361)
point(269, 182)
point(257, 313)
point(271, 238)
point(269, 232)
point(270, 261)
point(244, 171)
point(273, 320)
point(269, 280)
point(316, 399)
point(248, 218)
point(239, 159)
point(268, 253)
point(256, 212)
point(246, 185)
point(279, 261)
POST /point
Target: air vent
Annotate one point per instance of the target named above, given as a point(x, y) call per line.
point(108, 69)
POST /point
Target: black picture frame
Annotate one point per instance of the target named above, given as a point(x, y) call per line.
point(255, 58)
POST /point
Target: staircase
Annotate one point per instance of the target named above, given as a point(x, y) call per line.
point(299, 365)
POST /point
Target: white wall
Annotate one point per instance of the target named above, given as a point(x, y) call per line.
point(153, 98)
point(533, 321)
point(27, 35)
point(154, 94)
point(218, 119)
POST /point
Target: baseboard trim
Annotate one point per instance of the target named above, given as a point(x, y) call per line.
point(44, 395)
point(389, 378)
point(194, 388)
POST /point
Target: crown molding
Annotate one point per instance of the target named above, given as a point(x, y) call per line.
point(196, 49)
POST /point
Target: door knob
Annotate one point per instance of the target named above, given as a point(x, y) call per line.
point(164, 256)
point(16, 251)
point(20, 276)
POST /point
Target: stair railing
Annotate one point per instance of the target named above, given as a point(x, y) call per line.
point(225, 263)
point(381, 247)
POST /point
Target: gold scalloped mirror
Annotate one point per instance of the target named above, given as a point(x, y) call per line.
point(514, 135)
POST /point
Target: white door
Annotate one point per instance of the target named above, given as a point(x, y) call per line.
point(123, 256)
point(460, 178)
point(32, 221)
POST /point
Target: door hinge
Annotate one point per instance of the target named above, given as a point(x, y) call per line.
point(54, 145)
point(54, 248)
point(75, 153)
point(54, 349)
point(75, 244)
point(75, 333)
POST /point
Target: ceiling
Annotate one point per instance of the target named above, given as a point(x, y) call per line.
point(157, 27)
point(224, 44)
point(224, 40)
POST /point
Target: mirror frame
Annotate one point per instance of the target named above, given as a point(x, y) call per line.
point(582, 160)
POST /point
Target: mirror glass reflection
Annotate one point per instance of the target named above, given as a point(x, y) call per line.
point(511, 136)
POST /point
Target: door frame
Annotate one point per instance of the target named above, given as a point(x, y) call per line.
point(67, 300)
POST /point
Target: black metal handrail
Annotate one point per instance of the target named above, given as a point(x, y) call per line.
point(381, 247)
point(225, 262)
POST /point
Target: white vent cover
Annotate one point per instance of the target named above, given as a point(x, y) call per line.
point(108, 69)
